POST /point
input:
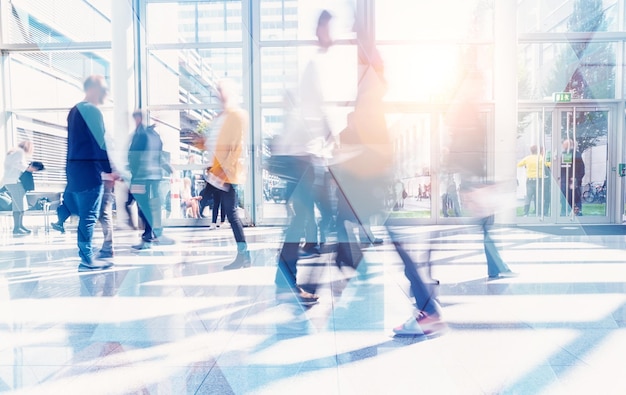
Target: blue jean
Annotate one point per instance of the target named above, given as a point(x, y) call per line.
point(424, 294)
point(229, 206)
point(106, 218)
point(495, 264)
point(87, 206)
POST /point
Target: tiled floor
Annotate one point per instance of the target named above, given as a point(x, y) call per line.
point(170, 321)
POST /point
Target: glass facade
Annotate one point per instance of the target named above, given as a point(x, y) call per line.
point(181, 49)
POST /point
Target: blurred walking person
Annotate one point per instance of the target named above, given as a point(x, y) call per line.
point(303, 149)
point(87, 160)
point(363, 171)
point(146, 165)
point(229, 165)
point(467, 157)
point(16, 163)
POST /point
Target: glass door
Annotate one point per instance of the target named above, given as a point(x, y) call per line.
point(581, 164)
point(563, 158)
point(534, 166)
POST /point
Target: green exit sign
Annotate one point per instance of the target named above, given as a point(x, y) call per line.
point(562, 97)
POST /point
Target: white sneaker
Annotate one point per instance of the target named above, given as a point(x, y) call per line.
point(212, 226)
point(421, 325)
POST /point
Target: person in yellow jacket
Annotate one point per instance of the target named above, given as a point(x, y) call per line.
point(229, 165)
point(534, 164)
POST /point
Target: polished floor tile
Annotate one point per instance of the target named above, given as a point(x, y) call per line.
point(169, 320)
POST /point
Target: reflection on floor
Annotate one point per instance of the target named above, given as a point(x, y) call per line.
point(170, 321)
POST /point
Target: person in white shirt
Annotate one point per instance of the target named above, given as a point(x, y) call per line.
point(304, 147)
point(16, 163)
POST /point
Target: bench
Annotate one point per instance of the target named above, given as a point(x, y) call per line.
point(53, 201)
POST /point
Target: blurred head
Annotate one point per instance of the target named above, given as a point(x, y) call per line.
point(138, 117)
point(568, 145)
point(323, 30)
point(227, 92)
point(533, 149)
point(96, 89)
point(27, 146)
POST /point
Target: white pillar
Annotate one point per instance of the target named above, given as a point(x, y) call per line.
point(122, 89)
point(505, 95)
point(5, 131)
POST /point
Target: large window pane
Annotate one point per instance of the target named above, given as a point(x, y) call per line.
point(59, 74)
point(282, 70)
point(297, 19)
point(189, 76)
point(585, 69)
point(214, 21)
point(430, 73)
point(57, 21)
point(274, 189)
point(409, 196)
point(558, 16)
point(443, 19)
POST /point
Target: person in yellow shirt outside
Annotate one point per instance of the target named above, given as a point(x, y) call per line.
point(229, 165)
point(535, 180)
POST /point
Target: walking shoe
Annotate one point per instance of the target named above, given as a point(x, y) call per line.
point(105, 255)
point(58, 227)
point(300, 295)
point(241, 261)
point(143, 245)
point(307, 298)
point(93, 266)
point(164, 240)
point(19, 232)
point(507, 274)
point(309, 253)
point(424, 324)
point(212, 226)
point(28, 231)
point(377, 241)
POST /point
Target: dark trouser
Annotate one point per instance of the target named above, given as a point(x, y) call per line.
point(424, 294)
point(567, 194)
point(358, 200)
point(149, 201)
point(87, 206)
point(106, 218)
point(229, 205)
point(218, 206)
point(300, 194)
point(66, 209)
point(207, 196)
point(348, 250)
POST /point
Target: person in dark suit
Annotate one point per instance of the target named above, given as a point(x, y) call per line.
point(572, 173)
point(87, 160)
